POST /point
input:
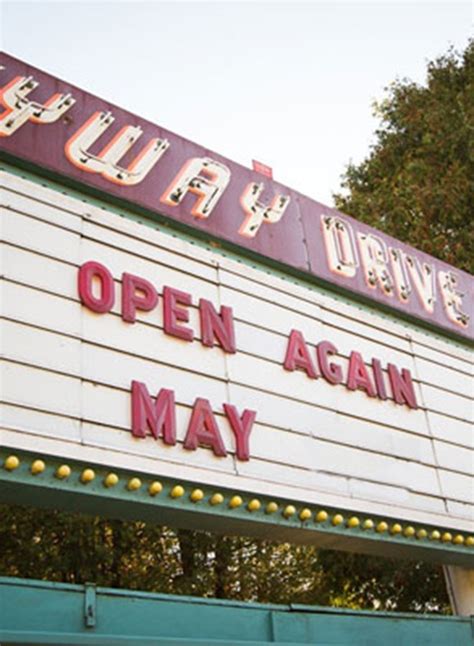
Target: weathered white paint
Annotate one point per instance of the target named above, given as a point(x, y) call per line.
point(66, 372)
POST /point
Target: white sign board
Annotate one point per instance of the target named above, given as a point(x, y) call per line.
point(400, 445)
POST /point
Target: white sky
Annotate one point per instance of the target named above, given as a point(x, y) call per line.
point(290, 84)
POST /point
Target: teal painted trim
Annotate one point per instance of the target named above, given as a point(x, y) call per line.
point(20, 486)
point(72, 639)
point(41, 584)
point(41, 612)
point(239, 254)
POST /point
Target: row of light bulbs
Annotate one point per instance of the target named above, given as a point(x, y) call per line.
point(63, 472)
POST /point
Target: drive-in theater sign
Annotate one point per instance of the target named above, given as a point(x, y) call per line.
point(184, 340)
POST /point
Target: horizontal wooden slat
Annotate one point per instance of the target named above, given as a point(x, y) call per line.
point(40, 236)
point(52, 208)
point(455, 458)
point(461, 510)
point(34, 388)
point(36, 422)
point(444, 375)
point(448, 403)
point(36, 307)
point(440, 358)
point(450, 429)
point(456, 486)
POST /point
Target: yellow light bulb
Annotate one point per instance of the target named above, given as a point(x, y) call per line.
point(11, 463)
point(254, 505)
point(134, 484)
point(37, 467)
point(305, 514)
point(63, 472)
point(197, 495)
point(155, 488)
point(289, 511)
point(87, 475)
point(111, 480)
point(235, 501)
point(177, 491)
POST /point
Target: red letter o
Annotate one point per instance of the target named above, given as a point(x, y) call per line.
point(87, 272)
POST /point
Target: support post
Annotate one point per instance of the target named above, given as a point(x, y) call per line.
point(460, 583)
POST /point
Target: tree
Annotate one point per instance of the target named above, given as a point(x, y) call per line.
point(417, 183)
point(70, 547)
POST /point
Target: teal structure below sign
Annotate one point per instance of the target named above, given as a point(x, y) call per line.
point(37, 612)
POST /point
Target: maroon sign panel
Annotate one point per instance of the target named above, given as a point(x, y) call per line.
point(65, 130)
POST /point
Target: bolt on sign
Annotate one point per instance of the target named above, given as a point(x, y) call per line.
point(334, 368)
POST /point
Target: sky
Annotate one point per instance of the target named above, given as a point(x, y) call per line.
point(290, 84)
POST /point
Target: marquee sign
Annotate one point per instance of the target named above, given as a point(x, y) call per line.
point(140, 352)
point(69, 132)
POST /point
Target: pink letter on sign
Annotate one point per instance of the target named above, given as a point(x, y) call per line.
point(217, 326)
point(378, 377)
point(137, 294)
point(241, 427)
point(330, 371)
point(173, 312)
point(159, 417)
point(203, 429)
point(358, 377)
point(105, 300)
point(402, 386)
point(297, 355)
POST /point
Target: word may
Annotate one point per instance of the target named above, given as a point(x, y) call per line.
point(96, 287)
point(298, 357)
point(158, 418)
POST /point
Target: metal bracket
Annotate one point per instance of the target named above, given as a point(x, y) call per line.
point(90, 605)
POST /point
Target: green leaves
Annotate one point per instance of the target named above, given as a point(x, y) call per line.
point(417, 184)
point(57, 546)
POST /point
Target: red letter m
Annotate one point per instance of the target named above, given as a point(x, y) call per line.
point(158, 417)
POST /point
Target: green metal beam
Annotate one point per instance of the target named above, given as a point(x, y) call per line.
point(40, 480)
point(37, 612)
